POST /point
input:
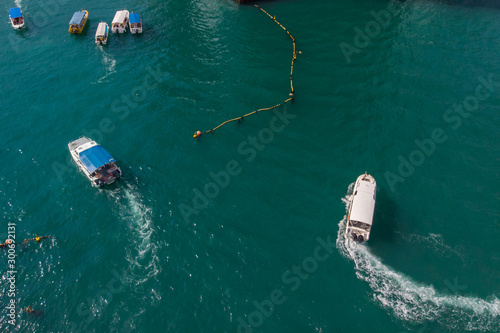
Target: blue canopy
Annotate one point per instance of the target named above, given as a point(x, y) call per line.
point(95, 157)
point(77, 18)
point(134, 18)
point(15, 13)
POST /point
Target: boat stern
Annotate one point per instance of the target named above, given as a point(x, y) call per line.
point(357, 234)
point(106, 175)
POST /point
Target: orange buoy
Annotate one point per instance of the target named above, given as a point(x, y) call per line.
point(8, 241)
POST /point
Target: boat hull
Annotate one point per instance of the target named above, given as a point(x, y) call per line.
point(102, 42)
point(118, 30)
point(17, 26)
point(135, 29)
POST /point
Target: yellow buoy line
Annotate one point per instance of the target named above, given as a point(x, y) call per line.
point(197, 134)
point(36, 239)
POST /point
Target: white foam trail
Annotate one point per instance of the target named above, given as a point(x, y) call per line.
point(108, 62)
point(18, 3)
point(412, 301)
point(142, 253)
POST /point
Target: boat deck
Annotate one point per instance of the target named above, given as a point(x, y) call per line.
point(78, 142)
point(105, 172)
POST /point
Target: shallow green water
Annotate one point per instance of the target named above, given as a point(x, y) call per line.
point(130, 259)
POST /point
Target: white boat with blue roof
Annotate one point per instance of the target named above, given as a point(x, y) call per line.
point(16, 18)
point(135, 23)
point(95, 162)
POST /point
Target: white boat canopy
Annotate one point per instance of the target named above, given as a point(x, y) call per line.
point(363, 203)
point(120, 17)
point(102, 29)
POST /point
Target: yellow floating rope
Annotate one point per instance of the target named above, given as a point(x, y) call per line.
point(37, 239)
point(197, 134)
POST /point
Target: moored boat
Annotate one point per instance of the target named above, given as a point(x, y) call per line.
point(361, 208)
point(135, 23)
point(78, 21)
point(101, 35)
point(119, 24)
point(16, 18)
point(95, 162)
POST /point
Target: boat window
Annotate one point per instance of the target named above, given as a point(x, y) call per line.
point(361, 225)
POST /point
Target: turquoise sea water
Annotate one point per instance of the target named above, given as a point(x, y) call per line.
point(264, 252)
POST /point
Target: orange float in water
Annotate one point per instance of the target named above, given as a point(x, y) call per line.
point(8, 241)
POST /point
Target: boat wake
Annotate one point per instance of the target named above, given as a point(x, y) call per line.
point(411, 301)
point(140, 252)
point(109, 64)
point(18, 3)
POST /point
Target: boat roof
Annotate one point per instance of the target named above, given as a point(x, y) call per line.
point(363, 203)
point(120, 16)
point(95, 157)
point(15, 12)
point(77, 17)
point(102, 29)
point(134, 18)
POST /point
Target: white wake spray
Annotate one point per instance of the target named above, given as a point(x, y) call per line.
point(411, 301)
point(140, 252)
point(109, 64)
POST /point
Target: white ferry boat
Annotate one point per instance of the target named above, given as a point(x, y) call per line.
point(16, 18)
point(361, 208)
point(135, 23)
point(101, 35)
point(119, 24)
point(95, 162)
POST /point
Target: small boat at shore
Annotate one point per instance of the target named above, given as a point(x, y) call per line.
point(119, 24)
point(361, 209)
point(135, 23)
point(101, 35)
point(16, 18)
point(78, 21)
point(95, 162)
